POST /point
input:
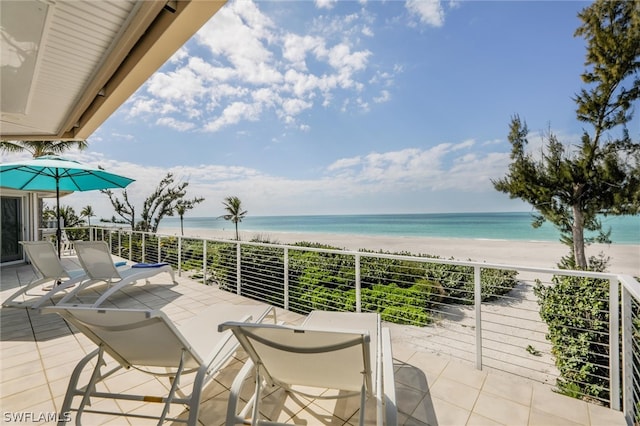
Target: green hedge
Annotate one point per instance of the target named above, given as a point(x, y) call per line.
point(576, 311)
point(401, 290)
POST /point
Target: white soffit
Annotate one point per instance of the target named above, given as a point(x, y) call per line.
point(69, 64)
point(21, 27)
point(76, 38)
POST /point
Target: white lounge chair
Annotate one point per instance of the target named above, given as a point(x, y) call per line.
point(350, 352)
point(148, 341)
point(48, 270)
point(95, 258)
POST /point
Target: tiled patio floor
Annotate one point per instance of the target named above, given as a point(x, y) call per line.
point(38, 353)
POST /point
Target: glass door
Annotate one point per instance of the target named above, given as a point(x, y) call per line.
point(11, 219)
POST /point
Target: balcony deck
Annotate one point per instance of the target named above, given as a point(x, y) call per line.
point(38, 353)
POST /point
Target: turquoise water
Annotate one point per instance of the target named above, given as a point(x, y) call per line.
point(498, 226)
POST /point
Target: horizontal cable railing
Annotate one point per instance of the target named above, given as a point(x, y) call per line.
point(548, 325)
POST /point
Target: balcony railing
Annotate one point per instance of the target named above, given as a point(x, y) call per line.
point(577, 330)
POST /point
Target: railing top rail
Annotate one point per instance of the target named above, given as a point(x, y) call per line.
point(627, 281)
point(631, 285)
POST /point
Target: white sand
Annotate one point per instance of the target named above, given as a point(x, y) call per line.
point(625, 258)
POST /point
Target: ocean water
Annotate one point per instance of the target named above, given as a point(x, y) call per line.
point(498, 226)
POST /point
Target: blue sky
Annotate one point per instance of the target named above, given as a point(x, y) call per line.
point(349, 107)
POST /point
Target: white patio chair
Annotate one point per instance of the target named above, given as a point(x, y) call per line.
point(95, 258)
point(66, 246)
point(349, 352)
point(148, 341)
point(48, 270)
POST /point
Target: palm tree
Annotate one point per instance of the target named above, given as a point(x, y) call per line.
point(183, 205)
point(40, 148)
point(88, 213)
point(181, 209)
point(233, 206)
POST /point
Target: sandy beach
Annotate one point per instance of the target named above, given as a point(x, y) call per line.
point(625, 258)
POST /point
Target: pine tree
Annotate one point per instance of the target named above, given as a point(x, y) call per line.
point(571, 186)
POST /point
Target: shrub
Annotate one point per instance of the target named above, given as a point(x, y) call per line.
point(458, 282)
point(405, 315)
point(576, 310)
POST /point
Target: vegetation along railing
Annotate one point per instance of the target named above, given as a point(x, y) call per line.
point(578, 331)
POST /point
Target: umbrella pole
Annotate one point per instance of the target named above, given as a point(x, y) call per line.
point(58, 230)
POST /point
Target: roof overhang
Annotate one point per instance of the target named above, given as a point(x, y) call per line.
point(67, 65)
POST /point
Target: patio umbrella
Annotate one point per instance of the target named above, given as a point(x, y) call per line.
point(50, 172)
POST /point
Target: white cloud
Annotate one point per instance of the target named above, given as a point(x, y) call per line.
point(174, 124)
point(218, 80)
point(343, 186)
point(296, 47)
point(233, 114)
point(429, 12)
point(325, 4)
point(294, 106)
point(384, 97)
point(342, 59)
point(445, 165)
point(465, 144)
point(142, 105)
point(345, 163)
point(121, 136)
point(180, 54)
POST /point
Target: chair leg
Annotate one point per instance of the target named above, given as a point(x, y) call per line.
point(255, 416)
point(72, 388)
point(194, 405)
point(172, 391)
point(23, 291)
point(363, 400)
point(75, 291)
point(91, 386)
point(233, 417)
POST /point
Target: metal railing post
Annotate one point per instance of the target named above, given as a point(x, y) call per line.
point(143, 247)
point(120, 243)
point(477, 286)
point(238, 269)
point(204, 262)
point(130, 245)
point(111, 242)
point(179, 256)
point(627, 357)
point(614, 345)
point(286, 278)
point(358, 285)
point(159, 250)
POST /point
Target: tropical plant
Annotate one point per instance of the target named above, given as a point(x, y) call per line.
point(181, 208)
point(48, 213)
point(571, 186)
point(40, 148)
point(87, 212)
point(67, 214)
point(235, 214)
point(162, 202)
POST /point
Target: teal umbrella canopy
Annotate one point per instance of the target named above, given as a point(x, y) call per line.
point(53, 173)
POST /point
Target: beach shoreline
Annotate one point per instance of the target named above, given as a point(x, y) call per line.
point(625, 258)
